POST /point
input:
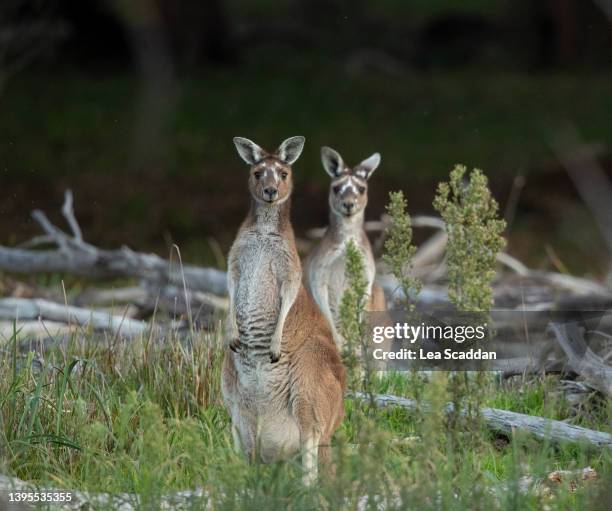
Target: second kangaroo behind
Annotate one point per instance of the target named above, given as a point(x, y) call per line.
point(325, 267)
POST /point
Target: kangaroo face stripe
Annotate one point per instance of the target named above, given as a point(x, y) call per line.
point(352, 183)
point(347, 195)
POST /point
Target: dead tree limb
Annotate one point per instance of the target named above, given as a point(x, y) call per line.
point(34, 329)
point(169, 298)
point(28, 309)
point(581, 359)
point(75, 256)
point(506, 422)
point(427, 258)
point(165, 279)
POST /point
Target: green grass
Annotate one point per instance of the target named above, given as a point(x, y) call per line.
point(147, 417)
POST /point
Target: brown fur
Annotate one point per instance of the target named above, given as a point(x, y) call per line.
point(294, 398)
point(377, 301)
point(317, 377)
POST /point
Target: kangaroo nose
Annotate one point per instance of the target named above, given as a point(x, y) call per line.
point(270, 192)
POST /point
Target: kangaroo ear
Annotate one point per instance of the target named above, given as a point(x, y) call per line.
point(367, 167)
point(289, 151)
point(332, 161)
point(248, 150)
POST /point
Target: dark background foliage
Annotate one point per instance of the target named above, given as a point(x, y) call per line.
point(133, 105)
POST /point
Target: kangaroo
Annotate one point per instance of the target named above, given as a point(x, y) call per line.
point(282, 378)
point(325, 275)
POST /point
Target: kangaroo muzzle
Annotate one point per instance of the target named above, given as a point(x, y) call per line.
point(270, 193)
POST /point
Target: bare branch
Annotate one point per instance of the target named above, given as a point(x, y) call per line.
point(68, 212)
point(581, 358)
point(54, 233)
point(514, 264)
point(36, 241)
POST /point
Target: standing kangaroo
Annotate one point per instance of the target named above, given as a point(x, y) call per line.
point(282, 379)
point(325, 267)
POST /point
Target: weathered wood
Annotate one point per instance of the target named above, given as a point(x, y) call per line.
point(169, 298)
point(75, 256)
point(33, 328)
point(38, 309)
point(506, 422)
point(581, 359)
point(523, 366)
point(162, 277)
point(98, 263)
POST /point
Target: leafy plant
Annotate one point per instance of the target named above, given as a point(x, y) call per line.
point(352, 325)
point(474, 233)
point(399, 249)
point(398, 255)
point(474, 238)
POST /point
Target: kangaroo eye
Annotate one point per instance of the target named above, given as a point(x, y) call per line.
point(257, 175)
point(284, 175)
point(361, 189)
point(336, 190)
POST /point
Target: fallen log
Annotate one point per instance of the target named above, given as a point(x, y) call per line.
point(34, 329)
point(38, 309)
point(98, 263)
point(506, 422)
point(172, 299)
point(162, 277)
point(75, 256)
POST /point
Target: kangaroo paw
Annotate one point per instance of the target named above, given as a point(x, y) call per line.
point(235, 345)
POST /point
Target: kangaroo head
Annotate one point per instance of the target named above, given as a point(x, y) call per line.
point(270, 179)
point(348, 193)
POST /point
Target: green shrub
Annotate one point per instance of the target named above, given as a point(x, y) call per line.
point(474, 238)
point(474, 232)
point(399, 249)
point(398, 255)
point(352, 326)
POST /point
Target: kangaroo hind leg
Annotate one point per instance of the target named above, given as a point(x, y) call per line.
point(310, 461)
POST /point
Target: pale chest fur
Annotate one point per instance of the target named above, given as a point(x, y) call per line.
point(327, 270)
point(260, 262)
